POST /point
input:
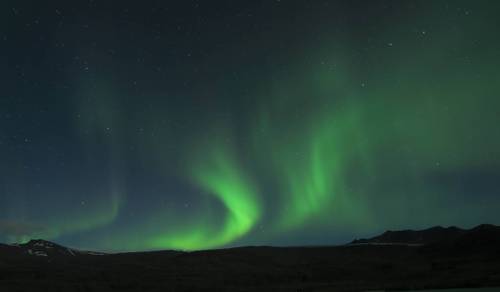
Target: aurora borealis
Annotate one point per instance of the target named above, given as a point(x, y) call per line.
point(205, 124)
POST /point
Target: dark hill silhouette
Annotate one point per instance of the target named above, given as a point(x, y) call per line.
point(433, 258)
point(426, 236)
point(481, 236)
point(43, 248)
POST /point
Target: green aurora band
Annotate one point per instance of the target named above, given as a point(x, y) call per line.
point(220, 175)
point(335, 144)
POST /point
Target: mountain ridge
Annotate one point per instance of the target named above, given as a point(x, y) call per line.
point(432, 236)
point(470, 259)
point(429, 236)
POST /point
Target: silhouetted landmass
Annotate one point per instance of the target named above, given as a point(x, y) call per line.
point(432, 258)
point(434, 234)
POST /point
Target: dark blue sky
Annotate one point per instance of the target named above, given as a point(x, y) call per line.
point(138, 125)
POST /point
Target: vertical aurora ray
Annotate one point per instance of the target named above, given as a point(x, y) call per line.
point(313, 179)
point(97, 121)
point(92, 206)
point(310, 163)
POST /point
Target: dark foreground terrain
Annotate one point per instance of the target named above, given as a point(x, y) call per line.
point(432, 258)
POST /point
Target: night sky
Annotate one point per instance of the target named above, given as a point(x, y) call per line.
point(141, 125)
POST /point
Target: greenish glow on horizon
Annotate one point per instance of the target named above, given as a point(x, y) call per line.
point(76, 220)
